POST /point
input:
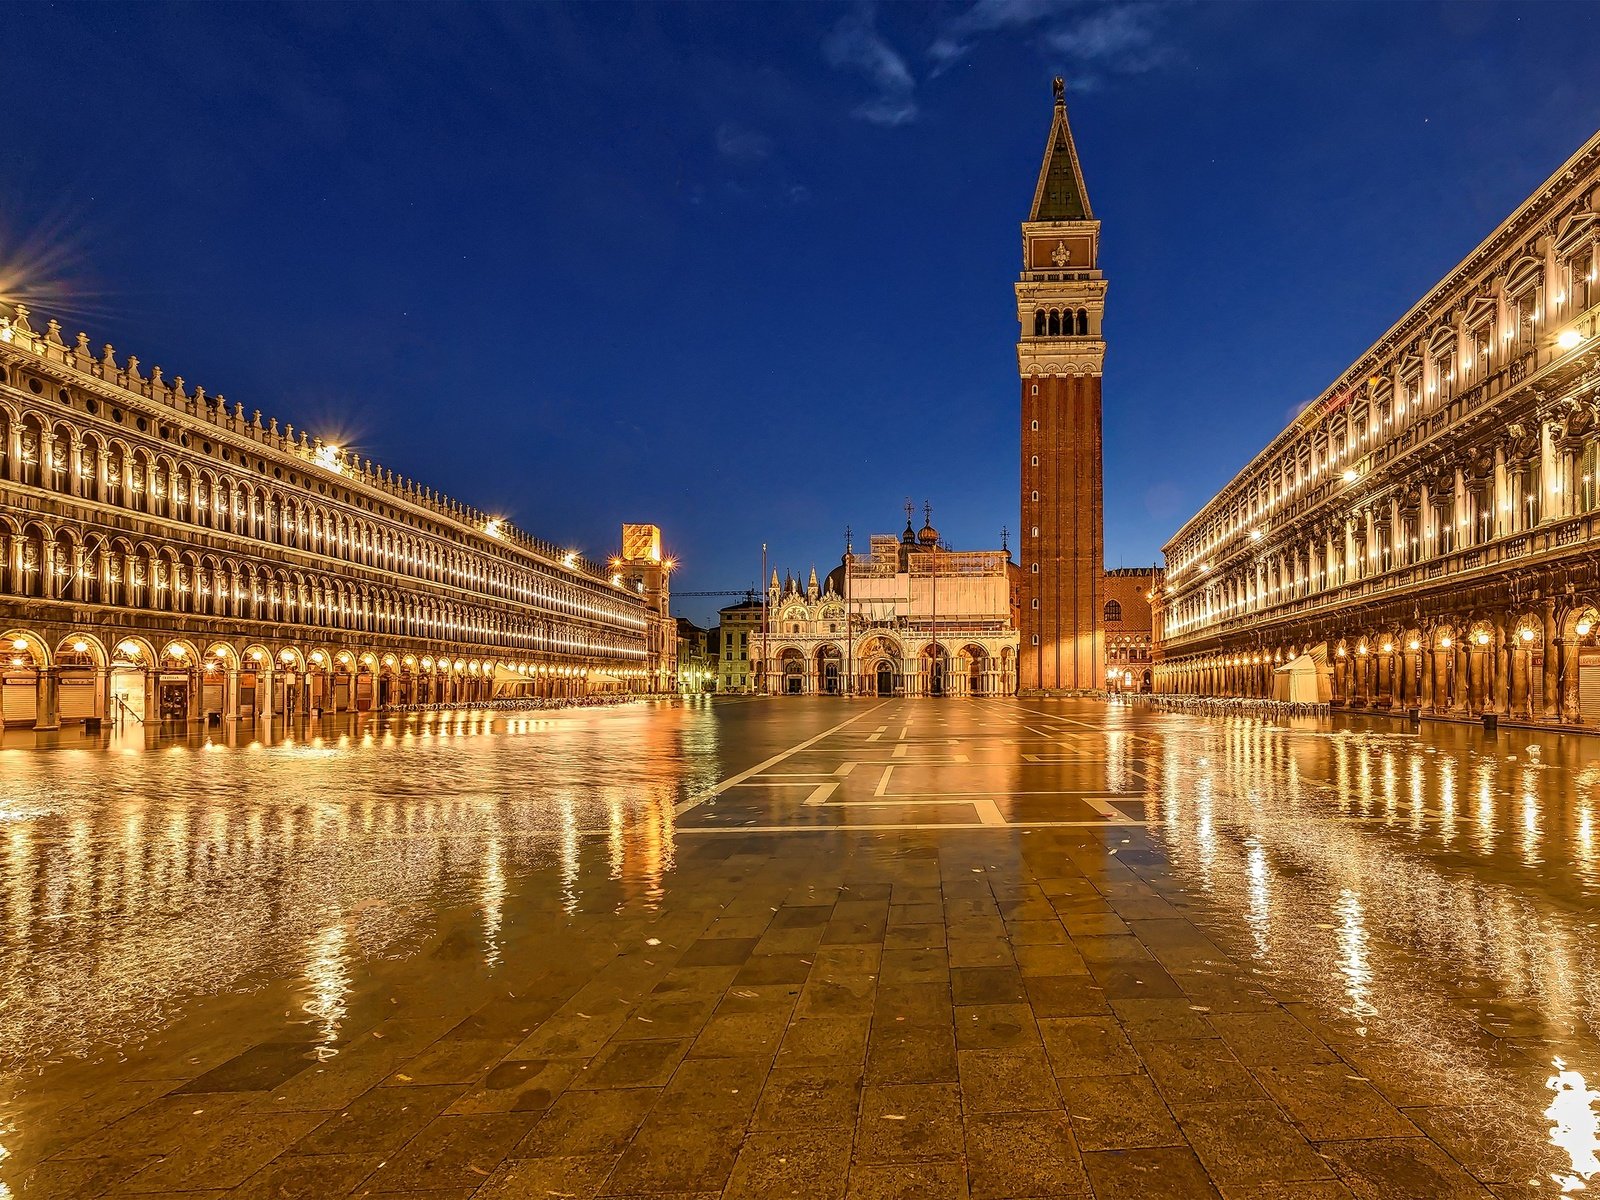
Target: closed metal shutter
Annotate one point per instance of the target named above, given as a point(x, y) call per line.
point(21, 702)
point(1536, 683)
point(341, 693)
point(211, 697)
point(1589, 690)
point(77, 695)
point(247, 694)
point(364, 693)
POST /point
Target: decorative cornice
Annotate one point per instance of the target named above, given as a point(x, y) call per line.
point(1051, 357)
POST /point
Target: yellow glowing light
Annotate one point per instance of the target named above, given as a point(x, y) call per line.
point(1349, 476)
point(1526, 635)
point(1444, 642)
point(1482, 638)
point(1584, 626)
point(79, 647)
point(1569, 339)
point(20, 644)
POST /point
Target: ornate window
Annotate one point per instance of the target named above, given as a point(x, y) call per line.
point(1524, 303)
point(1113, 612)
point(1580, 280)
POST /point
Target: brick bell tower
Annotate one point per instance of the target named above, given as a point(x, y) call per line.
point(1060, 302)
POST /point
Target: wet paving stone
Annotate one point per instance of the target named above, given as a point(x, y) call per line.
point(1119, 1112)
point(1247, 984)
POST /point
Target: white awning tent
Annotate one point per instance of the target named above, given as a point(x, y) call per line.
point(1305, 679)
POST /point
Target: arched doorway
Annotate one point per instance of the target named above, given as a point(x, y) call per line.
point(885, 678)
point(19, 679)
point(1582, 635)
point(131, 662)
point(977, 665)
point(830, 670)
point(791, 669)
point(936, 669)
point(79, 658)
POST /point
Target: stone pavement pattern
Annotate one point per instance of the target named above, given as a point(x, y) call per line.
point(885, 949)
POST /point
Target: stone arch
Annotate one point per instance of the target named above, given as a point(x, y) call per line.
point(93, 649)
point(224, 653)
point(134, 649)
point(25, 643)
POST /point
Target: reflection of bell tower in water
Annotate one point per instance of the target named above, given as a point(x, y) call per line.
point(1060, 302)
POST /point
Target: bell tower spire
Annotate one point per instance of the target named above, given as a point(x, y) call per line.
point(1060, 354)
point(1060, 194)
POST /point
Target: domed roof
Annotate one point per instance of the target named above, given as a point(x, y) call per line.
point(929, 536)
point(908, 538)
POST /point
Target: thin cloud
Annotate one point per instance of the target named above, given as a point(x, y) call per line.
point(957, 35)
point(1116, 40)
point(741, 144)
point(1092, 39)
point(856, 45)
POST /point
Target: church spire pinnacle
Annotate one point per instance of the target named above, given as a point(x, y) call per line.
point(1060, 194)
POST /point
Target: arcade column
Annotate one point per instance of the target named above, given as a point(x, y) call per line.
point(47, 714)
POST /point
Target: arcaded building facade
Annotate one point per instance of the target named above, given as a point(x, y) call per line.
point(1424, 535)
point(1060, 354)
point(169, 556)
point(908, 618)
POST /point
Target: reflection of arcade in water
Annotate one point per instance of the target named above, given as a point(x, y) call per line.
point(80, 679)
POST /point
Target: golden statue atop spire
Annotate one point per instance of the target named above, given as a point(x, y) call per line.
point(1060, 86)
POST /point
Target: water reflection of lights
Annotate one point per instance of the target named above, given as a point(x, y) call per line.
point(1258, 897)
point(1573, 1126)
point(1205, 832)
point(1447, 800)
point(1418, 796)
point(569, 853)
point(110, 884)
point(1353, 954)
point(492, 898)
point(1531, 815)
point(1486, 818)
point(616, 841)
point(328, 974)
point(1117, 754)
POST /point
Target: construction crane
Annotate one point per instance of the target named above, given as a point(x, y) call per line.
point(751, 592)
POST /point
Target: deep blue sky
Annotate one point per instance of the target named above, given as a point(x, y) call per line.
point(745, 271)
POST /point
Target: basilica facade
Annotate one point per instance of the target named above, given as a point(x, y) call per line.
point(908, 618)
point(1423, 535)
